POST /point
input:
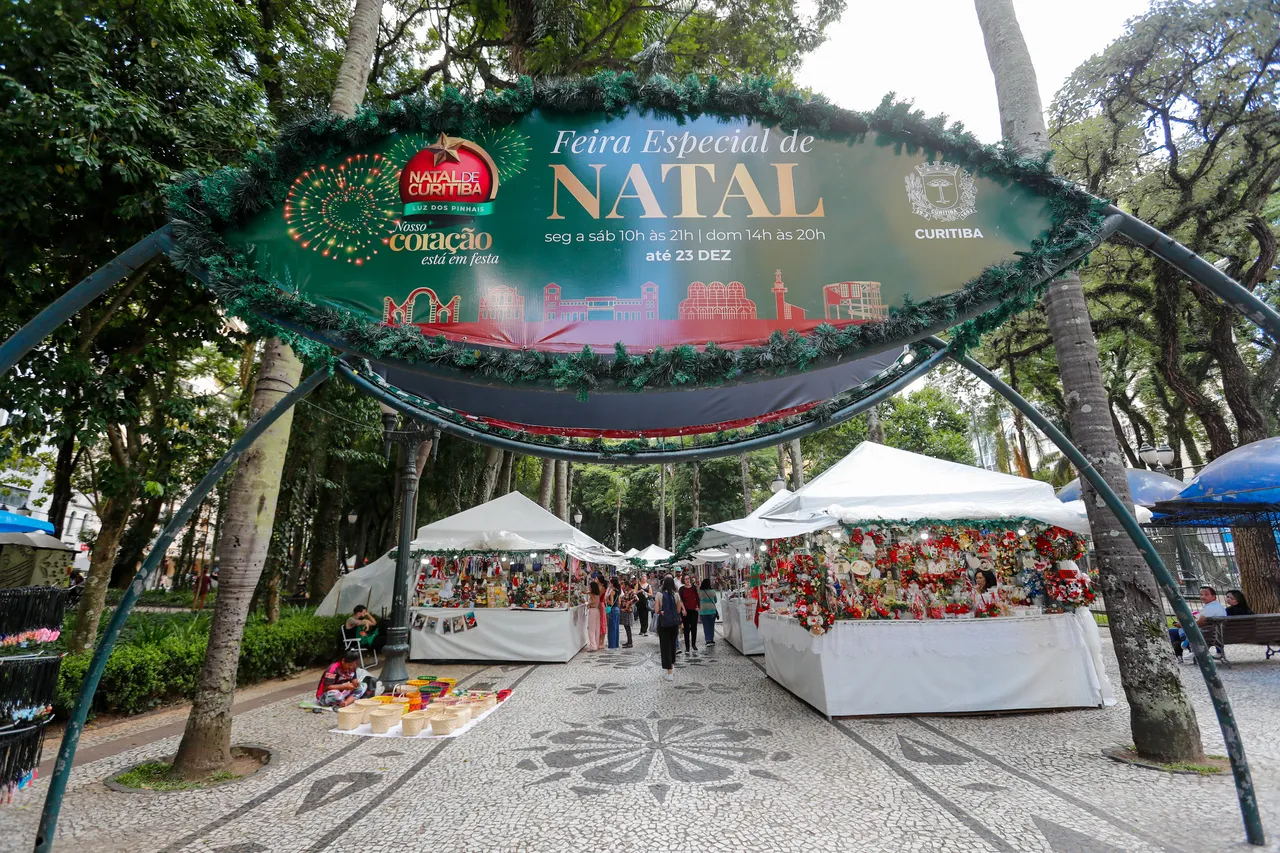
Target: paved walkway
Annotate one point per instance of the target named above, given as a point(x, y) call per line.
point(600, 754)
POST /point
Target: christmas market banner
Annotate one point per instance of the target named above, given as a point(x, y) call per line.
point(560, 230)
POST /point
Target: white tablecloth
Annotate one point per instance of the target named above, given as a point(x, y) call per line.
point(739, 626)
point(551, 636)
point(940, 665)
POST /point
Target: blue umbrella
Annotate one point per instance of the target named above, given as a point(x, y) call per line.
point(1248, 474)
point(1145, 486)
point(11, 522)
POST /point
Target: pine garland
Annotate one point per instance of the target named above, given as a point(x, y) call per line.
point(201, 208)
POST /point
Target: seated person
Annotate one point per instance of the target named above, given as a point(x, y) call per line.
point(1237, 605)
point(1210, 608)
point(362, 624)
point(339, 686)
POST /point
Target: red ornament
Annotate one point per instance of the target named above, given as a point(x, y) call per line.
point(451, 171)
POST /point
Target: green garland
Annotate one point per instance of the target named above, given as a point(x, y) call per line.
point(200, 208)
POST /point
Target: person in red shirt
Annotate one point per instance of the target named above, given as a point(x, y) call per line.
point(689, 598)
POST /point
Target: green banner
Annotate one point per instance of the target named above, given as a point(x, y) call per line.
point(560, 230)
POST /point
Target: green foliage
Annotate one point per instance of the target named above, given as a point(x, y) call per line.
point(160, 659)
point(202, 207)
point(930, 421)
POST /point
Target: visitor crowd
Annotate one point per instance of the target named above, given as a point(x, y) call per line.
point(671, 607)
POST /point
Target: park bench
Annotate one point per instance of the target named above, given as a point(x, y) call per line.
point(1260, 629)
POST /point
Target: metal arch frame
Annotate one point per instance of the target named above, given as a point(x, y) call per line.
point(1199, 648)
point(691, 454)
point(160, 241)
point(89, 686)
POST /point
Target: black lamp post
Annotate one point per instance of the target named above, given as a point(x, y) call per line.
point(410, 437)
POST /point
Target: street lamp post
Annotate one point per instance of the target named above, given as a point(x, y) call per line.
point(577, 518)
point(396, 652)
point(1161, 457)
point(777, 484)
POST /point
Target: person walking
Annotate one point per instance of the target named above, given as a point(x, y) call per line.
point(668, 614)
point(643, 595)
point(707, 612)
point(628, 603)
point(689, 598)
point(593, 616)
point(612, 606)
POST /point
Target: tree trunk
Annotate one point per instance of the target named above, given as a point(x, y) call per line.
point(568, 489)
point(1259, 567)
point(115, 513)
point(875, 428)
point(504, 472)
point(134, 542)
point(746, 484)
point(546, 485)
point(617, 519)
point(353, 75)
point(1019, 427)
point(694, 498)
point(662, 505)
point(671, 529)
point(206, 744)
point(489, 481)
point(1162, 721)
point(797, 465)
point(324, 532)
point(60, 497)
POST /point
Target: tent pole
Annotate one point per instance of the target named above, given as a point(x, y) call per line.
point(1199, 648)
point(89, 289)
point(75, 725)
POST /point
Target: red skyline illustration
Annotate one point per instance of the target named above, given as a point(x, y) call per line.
point(717, 301)
point(394, 314)
point(784, 310)
point(853, 300)
point(577, 310)
point(503, 303)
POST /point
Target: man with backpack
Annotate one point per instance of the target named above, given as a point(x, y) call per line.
point(669, 615)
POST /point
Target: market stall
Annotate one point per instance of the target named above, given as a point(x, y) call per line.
point(501, 581)
point(944, 588)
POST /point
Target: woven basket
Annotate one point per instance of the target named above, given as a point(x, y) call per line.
point(443, 724)
point(463, 711)
point(382, 719)
point(365, 706)
point(412, 723)
point(486, 703)
point(401, 702)
point(350, 717)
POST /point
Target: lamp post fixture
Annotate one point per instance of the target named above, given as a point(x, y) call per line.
point(777, 484)
point(1161, 457)
point(577, 517)
point(410, 437)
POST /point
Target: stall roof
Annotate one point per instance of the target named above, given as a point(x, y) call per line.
point(653, 554)
point(13, 522)
point(1146, 487)
point(512, 518)
point(875, 482)
point(35, 540)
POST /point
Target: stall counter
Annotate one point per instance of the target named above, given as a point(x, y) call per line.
point(938, 666)
point(499, 634)
point(739, 626)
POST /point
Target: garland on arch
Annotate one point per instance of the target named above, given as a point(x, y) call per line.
point(200, 208)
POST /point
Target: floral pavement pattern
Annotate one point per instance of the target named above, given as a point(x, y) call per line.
point(655, 751)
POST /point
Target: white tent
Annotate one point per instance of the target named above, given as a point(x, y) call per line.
point(875, 482)
point(653, 554)
point(509, 523)
point(757, 525)
point(631, 552)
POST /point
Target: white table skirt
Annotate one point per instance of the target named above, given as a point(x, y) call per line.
point(500, 634)
point(739, 626)
point(940, 666)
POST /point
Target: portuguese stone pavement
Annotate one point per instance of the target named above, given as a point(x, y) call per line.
point(600, 754)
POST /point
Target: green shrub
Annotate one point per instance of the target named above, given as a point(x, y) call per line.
point(161, 660)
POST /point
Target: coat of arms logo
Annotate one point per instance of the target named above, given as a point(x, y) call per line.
point(941, 191)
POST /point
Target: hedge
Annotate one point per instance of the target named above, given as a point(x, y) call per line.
point(140, 676)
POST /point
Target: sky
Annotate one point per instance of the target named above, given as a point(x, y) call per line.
point(931, 52)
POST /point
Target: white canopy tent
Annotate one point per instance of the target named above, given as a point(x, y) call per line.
point(508, 523)
point(738, 532)
point(875, 482)
point(653, 554)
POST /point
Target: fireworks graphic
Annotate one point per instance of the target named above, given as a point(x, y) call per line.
point(343, 212)
point(406, 145)
point(508, 148)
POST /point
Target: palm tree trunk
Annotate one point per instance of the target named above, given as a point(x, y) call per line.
point(562, 490)
point(662, 505)
point(797, 465)
point(875, 427)
point(694, 497)
point(546, 485)
point(206, 743)
point(746, 484)
point(492, 465)
point(1162, 721)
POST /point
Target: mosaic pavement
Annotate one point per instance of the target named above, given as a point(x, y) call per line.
point(600, 754)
